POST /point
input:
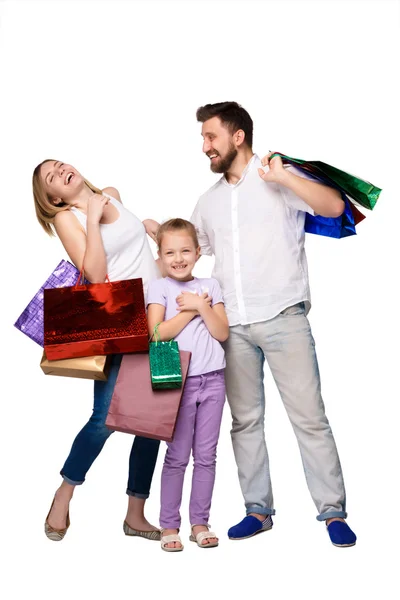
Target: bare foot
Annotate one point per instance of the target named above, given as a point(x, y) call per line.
point(328, 521)
point(166, 532)
point(139, 522)
point(258, 516)
point(198, 528)
point(135, 515)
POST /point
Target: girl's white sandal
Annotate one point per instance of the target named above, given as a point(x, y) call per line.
point(203, 535)
point(168, 539)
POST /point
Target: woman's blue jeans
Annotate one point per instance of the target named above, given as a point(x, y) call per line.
point(91, 439)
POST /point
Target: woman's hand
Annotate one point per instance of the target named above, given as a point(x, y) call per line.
point(151, 228)
point(190, 301)
point(95, 208)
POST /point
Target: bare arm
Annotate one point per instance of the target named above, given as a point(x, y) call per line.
point(85, 249)
point(112, 191)
point(72, 236)
point(167, 329)
point(214, 317)
point(216, 321)
point(151, 228)
point(95, 261)
point(324, 200)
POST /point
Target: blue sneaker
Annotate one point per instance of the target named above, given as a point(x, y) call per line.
point(248, 527)
point(341, 535)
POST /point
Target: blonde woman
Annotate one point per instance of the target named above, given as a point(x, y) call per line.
point(98, 231)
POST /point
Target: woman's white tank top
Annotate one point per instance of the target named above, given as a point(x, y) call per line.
point(126, 246)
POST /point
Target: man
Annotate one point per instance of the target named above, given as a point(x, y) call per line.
point(253, 222)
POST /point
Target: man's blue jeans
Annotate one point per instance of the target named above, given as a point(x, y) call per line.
point(91, 439)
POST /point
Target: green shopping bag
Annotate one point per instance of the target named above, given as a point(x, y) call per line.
point(363, 192)
point(165, 363)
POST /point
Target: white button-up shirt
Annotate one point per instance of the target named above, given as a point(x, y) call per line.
point(255, 230)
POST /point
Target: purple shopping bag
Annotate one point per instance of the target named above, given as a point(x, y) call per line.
point(31, 321)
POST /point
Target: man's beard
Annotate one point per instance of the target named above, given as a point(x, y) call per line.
point(224, 164)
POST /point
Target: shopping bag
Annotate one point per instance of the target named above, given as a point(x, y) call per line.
point(136, 408)
point(165, 364)
point(30, 322)
point(87, 367)
point(361, 191)
point(96, 318)
point(353, 191)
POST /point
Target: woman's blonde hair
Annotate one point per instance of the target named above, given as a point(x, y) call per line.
point(45, 209)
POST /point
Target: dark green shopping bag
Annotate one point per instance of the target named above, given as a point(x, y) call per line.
point(352, 189)
point(165, 363)
point(360, 190)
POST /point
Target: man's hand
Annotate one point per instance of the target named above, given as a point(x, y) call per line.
point(276, 171)
point(324, 200)
point(190, 301)
point(151, 228)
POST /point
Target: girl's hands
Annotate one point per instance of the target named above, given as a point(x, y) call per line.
point(193, 302)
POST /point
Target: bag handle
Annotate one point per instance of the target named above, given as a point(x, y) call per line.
point(156, 335)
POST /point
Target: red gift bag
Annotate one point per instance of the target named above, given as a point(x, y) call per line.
point(96, 318)
point(136, 408)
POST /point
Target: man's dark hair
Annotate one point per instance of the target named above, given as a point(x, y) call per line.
point(232, 115)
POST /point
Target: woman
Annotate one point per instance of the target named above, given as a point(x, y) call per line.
point(99, 233)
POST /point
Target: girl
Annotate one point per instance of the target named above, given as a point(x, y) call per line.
point(190, 310)
point(97, 231)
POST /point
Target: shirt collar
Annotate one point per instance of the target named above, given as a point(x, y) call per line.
point(247, 168)
point(181, 282)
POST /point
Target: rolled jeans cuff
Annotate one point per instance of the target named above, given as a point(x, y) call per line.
point(137, 495)
point(259, 511)
point(71, 481)
point(332, 514)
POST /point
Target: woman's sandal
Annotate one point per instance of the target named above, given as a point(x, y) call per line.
point(154, 534)
point(203, 535)
point(168, 539)
point(55, 535)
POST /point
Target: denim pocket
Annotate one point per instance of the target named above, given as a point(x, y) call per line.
point(293, 311)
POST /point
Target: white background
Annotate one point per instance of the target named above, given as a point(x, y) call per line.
point(112, 88)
